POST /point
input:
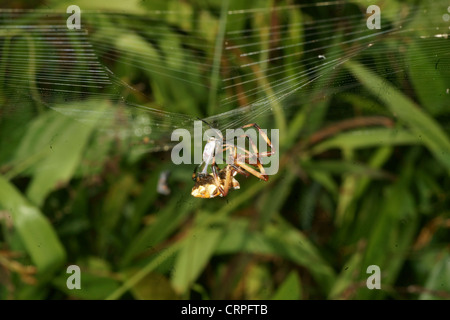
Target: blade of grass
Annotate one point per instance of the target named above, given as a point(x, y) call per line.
point(212, 101)
point(138, 276)
point(290, 289)
point(423, 126)
point(35, 231)
point(193, 257)
point(369, 138)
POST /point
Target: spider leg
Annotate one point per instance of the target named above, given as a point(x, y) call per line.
point(194, 174)
point(245, 159)
point(228, 146)
point(228, 178)
point(247, 155)
point(244, 167)
point(234, 155)
point(264, 136)
point(261, 175)
point(242, 163)
point(239, 170)
point(216, 176)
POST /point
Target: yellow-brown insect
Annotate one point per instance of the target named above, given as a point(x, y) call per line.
point(220, 181)
point(206, 186)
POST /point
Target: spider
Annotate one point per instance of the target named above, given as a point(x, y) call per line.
point(220, 181)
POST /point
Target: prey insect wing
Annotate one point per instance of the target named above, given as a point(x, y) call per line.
point(220, 181)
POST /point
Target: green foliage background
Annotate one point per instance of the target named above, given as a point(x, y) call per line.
point(364, 196)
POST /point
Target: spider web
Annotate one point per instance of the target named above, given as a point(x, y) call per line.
point(272, 62)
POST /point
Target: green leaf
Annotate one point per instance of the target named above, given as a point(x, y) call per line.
point(438, 279)
point(131, 6)
point(369, 138)
point(193, 257)
point(422, 125)
point(58, 143)
point(156, 261)
point(114, 202)
point(290, 289)
point(167, 220)
point(278, 240)
point(348, 276)
point(343, 167)
point(434, 77)
point(93, 286)
point(391, 236)
point(276, 197)
point(35, 231)
point(154, 286)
